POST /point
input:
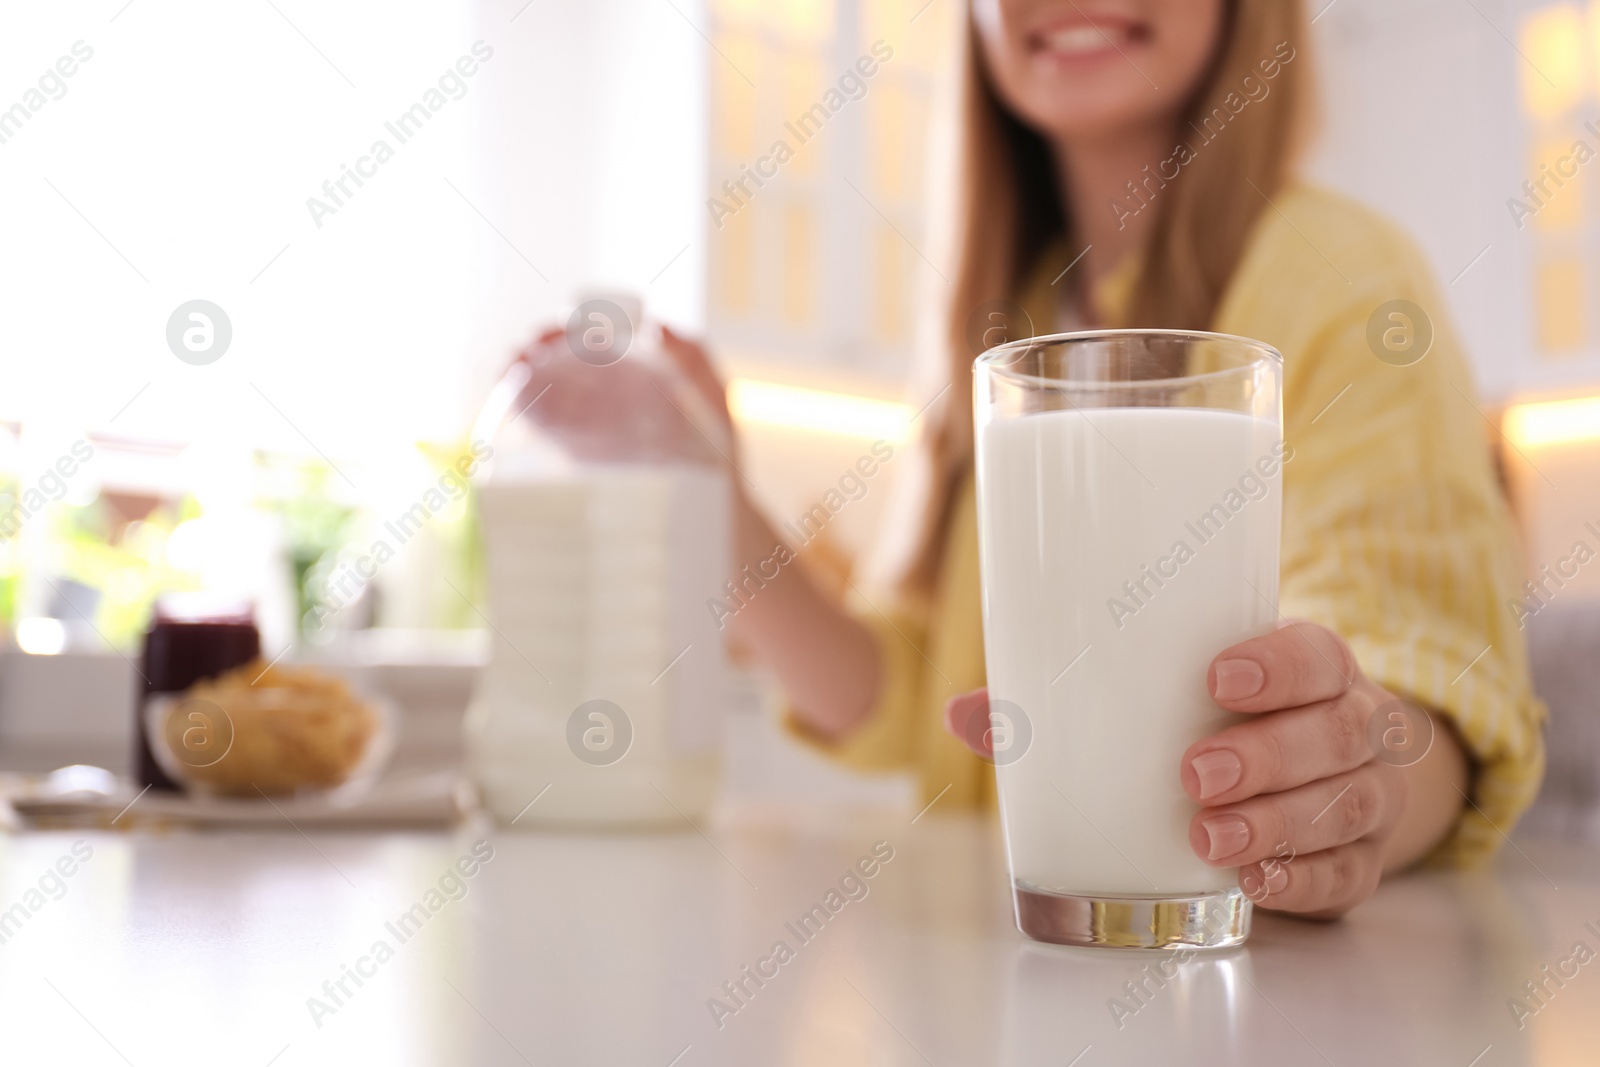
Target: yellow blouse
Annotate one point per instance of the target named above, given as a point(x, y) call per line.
point(1395, 533)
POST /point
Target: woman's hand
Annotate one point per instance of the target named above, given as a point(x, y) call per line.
point(601, 408)
point(1296, 796)
point(625, 408)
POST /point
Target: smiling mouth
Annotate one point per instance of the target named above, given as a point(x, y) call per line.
point(1090, 39)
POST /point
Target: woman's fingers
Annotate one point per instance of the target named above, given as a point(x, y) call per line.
point(958, 719)
point(695, 365)
point(1271, 753)
point(1317, 885)
point(1300, 663)
point(1325, 814)
point(1294, 798)
point(626, 410)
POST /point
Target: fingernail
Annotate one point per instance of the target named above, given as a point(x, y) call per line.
point(1229, 835)
point(1218, 771)
point(1277, 879)
point(1238, 678)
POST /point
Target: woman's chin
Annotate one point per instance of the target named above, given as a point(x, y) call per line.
point(1083, 121)
point(1076, 103)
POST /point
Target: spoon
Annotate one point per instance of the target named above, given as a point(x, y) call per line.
point(77, 782)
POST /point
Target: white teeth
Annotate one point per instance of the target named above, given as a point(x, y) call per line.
point(1078, 39)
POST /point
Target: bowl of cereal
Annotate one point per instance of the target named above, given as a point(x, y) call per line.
point(269, 730)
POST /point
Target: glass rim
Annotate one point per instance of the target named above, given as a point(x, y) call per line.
point(989, 359)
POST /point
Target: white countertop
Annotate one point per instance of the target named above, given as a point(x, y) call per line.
point(195, 948)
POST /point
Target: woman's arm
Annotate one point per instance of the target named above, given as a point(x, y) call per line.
point(826, 661)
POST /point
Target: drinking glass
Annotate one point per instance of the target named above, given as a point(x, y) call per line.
point(1128, 511)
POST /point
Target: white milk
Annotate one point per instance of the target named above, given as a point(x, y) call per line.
point(1072, 506)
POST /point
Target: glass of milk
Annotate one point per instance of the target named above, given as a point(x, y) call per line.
point(1128, 513)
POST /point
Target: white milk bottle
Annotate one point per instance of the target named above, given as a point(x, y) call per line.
point(606, 517)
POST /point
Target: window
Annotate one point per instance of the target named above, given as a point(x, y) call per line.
point(816, 207)
point(1560, 45)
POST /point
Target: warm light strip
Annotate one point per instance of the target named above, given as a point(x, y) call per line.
point(1555, 422)
point(816, 410)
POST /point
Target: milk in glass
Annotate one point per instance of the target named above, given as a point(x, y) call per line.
point(1122, 549)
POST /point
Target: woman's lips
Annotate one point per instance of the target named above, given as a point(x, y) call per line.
point(1089, 38)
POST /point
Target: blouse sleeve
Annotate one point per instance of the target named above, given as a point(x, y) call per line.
point(1396, 534)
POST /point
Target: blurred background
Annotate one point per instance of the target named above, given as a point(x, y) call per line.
point(204, 152)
